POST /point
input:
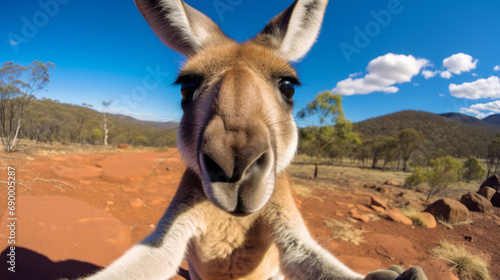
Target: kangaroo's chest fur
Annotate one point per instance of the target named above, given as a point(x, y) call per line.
point(232, 248)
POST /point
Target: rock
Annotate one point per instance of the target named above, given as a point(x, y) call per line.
point(468, 238)
point(487, 192)
point(123, 146)
point(449, 210)
point(382, 190)
point(378, 202)
point(495, 200)
point(136, 203)
point(427, 219)
point(371, 186)
point(476, 202)
point(492, 182)
point(420, 190)
point(392, 183)
point(377, 209)
point(109, 202)
point(360, 217)
point(363, 208)
point(396, 216)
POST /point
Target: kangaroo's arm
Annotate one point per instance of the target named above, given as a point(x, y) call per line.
point(160, 254)
point(300, 256)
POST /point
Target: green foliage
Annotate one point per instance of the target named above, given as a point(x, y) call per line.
point(472, 169)
point(442, 136)
point(18, 85)
point(48, 120)
point(408, 141)
point(334, 136)
point(418, 176)
point(439, 175)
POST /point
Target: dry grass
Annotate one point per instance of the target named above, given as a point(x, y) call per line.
point(414, 216)
point(467, 265)
point(345, 232)
point(453, 225)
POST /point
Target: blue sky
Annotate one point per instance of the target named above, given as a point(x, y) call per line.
point(375, 53)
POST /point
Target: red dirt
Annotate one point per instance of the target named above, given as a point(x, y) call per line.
point(90, 208)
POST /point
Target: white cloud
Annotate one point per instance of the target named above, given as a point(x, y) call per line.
point(416, 84)
point(440, 94)
point(493, 106)
point(383, 72)
point(355, 74)
point(446, 74)
point(475, 109)
point(473, 74)
point(496, 68)
point(483, 115)
point(481, 88)
point(459, 63)
point(13, 42)
point(429, 74)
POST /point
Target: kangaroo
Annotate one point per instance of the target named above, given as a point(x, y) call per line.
point(233, 216)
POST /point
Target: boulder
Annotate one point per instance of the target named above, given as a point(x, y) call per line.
point(396, 216)
point(427, 219)
point(378, 202)
point(492, 182)
point(392, 183)
point(495, 200)
point(476, 202)
point(487, 192)
point(449, 210)
point(123, 146)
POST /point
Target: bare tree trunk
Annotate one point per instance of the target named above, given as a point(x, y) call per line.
point(14, 140)
point(105, 130)
point(315, 170)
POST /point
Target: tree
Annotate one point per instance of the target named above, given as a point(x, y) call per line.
point(105, 122)
point(408, 143)
point(472, 169)
point(439, 175)
point(334, 128)
point(18, 86)
point(493, 157)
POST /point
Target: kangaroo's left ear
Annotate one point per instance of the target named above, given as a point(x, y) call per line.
point(293, 32)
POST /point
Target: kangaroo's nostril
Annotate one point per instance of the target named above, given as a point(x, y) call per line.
point(261, 160)
point(215, 172)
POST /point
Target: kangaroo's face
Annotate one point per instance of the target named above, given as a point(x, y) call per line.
point(237, 131)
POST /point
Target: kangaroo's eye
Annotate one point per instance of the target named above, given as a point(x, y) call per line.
point(189, 85)
point(287, 87)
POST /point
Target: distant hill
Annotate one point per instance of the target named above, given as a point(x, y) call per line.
point(48, 120)
point(470, 120)
point(454, 134)
point(493, 119)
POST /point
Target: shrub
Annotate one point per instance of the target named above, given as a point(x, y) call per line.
point(465, 264)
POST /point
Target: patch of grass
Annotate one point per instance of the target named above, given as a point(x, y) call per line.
point(467, 265)
point(373, 217)
point(345, 232)
point(453, 225)
point(413, 215)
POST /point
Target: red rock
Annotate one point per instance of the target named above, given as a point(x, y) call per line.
point(449, 210)
point(378, 202)
point(495, 200)
point(420, 190)
point(377, 209)
point(476, 202)
point(363, 208)
point(487, 192)
point(136, 203)
point(392, 183)
point(360, 217)
point(396, 216)
point(382, 190)
point(122, 146)
point(428, 220)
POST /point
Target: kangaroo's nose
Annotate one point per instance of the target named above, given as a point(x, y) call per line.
point(234, 166)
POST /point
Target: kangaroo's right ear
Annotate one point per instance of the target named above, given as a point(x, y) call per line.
point(180, 26)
